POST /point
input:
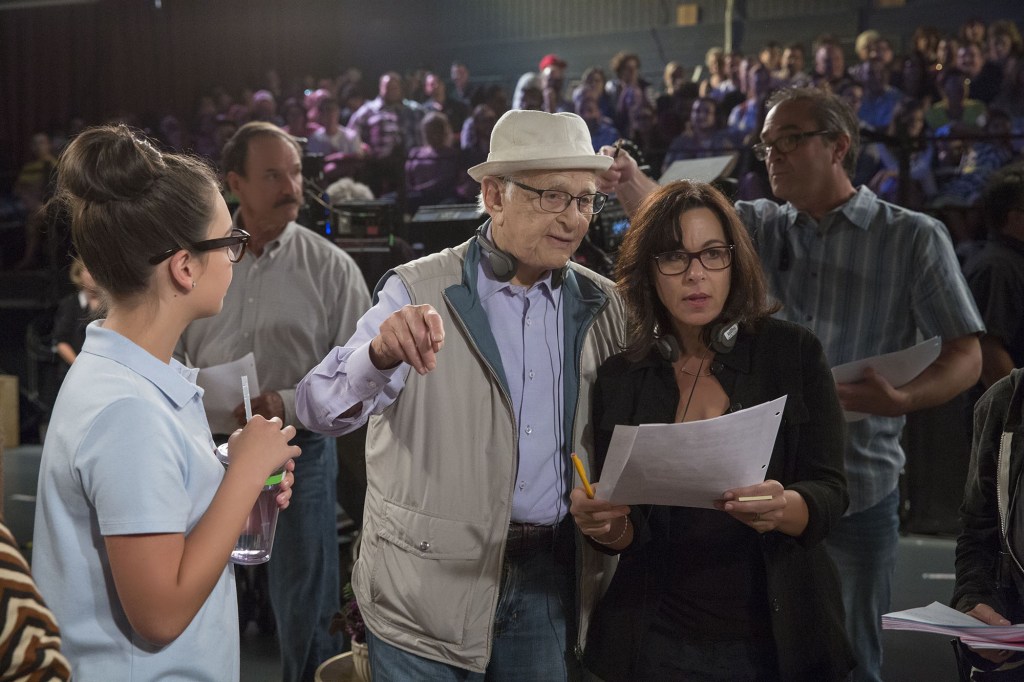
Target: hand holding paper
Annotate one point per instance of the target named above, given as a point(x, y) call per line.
point(760, 506)
point(221, 392)
point(941, 619)
point(691, 464)
point(880, 375)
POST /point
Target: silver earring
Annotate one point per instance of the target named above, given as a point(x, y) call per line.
point(193, 284)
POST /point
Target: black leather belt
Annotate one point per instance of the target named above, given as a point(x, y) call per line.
point(525, 538)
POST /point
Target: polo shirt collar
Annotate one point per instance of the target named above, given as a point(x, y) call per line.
point(174, 380)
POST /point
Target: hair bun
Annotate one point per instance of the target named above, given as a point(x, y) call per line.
point(110, 163)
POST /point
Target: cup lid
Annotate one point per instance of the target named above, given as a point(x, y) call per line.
point(273, 479)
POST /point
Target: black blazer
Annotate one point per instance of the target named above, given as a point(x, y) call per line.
point(777, 358)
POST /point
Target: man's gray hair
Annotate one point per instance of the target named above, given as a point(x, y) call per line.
point(830, 113)
point(507, 189)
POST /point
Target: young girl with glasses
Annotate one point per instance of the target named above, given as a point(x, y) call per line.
point(135, 515)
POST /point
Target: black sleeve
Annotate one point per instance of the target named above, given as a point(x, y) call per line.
point(978, 546)
point(819, 445)
point(65, 320)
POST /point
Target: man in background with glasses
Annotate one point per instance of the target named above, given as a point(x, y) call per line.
point(474, 369)
point(293, 297)
point(867, 277)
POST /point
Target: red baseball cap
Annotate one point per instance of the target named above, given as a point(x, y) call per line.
point(552, 60)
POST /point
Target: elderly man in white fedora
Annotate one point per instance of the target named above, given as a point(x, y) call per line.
point(474, 368)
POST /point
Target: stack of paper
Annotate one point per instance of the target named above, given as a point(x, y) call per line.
point(943, 620)
point(690, 464)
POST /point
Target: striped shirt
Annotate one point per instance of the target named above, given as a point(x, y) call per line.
point(869, 278)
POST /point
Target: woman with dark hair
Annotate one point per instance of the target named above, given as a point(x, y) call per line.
point(135, 515)
point(745, 591)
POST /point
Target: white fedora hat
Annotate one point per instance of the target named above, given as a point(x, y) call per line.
point(536, 140)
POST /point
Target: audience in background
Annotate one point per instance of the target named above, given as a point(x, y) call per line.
point(702, 138)
point(552, 82)
point(602, 132)
point(432, 171)
point(829, 63)
point(955, 106)
point(297, 122)
point(907, 131)
point(437, 99)
point(528, 94)
point(792, 65)
point(880, 99)
point(593, 82)
point(985, 62)
point(389, 126)
point(714, 71)
point(628, 90)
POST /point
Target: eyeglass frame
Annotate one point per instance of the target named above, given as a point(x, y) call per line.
point(691, 255)
point(761, 150)
point(540, 193)
point(237, 236)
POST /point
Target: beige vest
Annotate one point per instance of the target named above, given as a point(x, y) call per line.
point(441, 464)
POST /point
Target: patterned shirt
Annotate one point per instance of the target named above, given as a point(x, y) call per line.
point(29, 639)
point(869, 278)
point(388, 128)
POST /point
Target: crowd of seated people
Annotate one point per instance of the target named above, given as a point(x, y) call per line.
point(937, 120)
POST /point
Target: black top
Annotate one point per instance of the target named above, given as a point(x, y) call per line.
point(985, 573)
point(70, 321)
point(995, 275)
point(798, 598)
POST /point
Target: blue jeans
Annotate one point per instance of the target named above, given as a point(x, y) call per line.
point(303, 570)
point(530, 631)
point(863, 546)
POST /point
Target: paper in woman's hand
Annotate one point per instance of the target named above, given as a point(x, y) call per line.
point(898, 368)
point(693, 463)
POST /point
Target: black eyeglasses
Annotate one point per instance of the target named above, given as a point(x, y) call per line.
point(235, 245)
point(784, 144)
point(677, 262)
point(556, 201)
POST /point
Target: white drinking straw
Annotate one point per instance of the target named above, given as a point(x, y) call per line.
point(245, 398)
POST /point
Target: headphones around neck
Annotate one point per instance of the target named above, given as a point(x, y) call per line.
point(503, 264)
point(723, 338)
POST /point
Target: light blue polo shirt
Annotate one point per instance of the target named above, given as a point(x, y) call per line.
point(128, 451)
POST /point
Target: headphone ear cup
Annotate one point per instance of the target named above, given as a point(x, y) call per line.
point(667, 347)
point(723, 337)
point(503, 265)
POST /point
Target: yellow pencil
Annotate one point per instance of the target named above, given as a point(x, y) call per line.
point(583, 475)
point(754, 498)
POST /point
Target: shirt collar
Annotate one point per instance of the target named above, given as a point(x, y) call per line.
point(271, 248)
point(859, 210)
point(174, 380)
